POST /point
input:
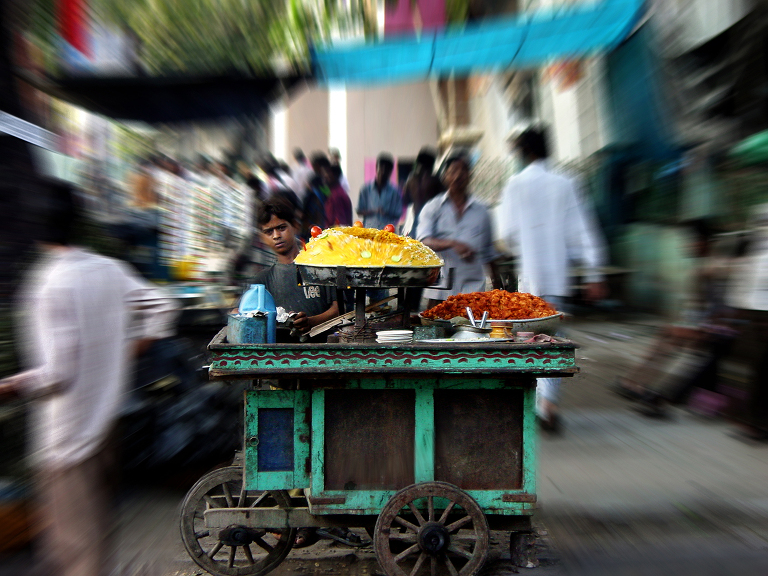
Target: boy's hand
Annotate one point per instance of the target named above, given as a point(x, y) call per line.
point(301, 322)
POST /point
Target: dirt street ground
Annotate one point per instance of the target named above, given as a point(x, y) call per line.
point(619, 494)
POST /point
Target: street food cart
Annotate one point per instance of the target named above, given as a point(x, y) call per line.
point(428, 445)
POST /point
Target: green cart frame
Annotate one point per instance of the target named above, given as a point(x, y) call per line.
point(428, 446)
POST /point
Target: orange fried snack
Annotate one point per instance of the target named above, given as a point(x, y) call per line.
point(500, 305)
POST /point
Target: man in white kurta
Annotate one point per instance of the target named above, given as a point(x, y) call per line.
point(85, 316)
point(544, 217)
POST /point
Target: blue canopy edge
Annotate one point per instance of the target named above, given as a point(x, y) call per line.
point(523, 41)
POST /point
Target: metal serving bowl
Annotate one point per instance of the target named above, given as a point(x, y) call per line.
point(546, 325)
point(368, 277)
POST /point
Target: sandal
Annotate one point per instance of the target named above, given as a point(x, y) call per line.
point(305, 537)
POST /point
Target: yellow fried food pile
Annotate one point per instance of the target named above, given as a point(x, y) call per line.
point(353, 246)
point(500, 304)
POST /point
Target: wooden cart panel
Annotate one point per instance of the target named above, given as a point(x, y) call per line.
point(379, 435)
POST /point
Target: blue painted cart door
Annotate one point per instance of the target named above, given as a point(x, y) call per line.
point(277, 436)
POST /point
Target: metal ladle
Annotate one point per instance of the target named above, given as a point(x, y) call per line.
point(471, 317)
point(483, 319)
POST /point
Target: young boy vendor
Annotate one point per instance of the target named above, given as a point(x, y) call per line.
point(313, 304)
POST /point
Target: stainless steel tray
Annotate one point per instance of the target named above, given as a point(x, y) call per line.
point(369, 277)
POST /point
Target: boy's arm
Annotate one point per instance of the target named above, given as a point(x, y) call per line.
point(305, 323)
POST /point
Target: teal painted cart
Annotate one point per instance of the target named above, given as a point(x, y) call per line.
point(428, 446)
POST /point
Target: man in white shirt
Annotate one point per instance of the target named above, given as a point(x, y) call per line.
point(458, 227)
point(87, 316)
point(543, 215)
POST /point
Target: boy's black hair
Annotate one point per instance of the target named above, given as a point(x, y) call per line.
point(276, 206)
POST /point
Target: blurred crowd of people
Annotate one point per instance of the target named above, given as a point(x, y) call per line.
point(724, 317)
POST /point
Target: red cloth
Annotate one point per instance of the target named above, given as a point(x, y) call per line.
point(73, 25)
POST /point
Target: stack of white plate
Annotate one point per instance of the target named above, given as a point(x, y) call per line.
point(394, 336)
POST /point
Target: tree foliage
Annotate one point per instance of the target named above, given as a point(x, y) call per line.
point(247, 36)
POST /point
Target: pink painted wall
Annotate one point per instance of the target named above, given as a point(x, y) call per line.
point(399, 19)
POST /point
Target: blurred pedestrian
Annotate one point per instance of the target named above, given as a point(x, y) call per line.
point(335, 158)
point(458, 227)
point(338, 206)
point(544, 216)
point(422, 185)
point(380, 202)
point(301, 173)
point(256, 186)
point(748, 295)
point(141, 229)
point(686, 354)
point(87, 316)
point(317, 195)
point(279, 184)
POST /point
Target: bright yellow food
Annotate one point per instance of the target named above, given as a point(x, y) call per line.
point(354, 246)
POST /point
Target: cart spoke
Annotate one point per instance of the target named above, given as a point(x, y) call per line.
point(416, 513)
point(433, 566)
point(405, 553)
point(403, 522)
point(202, 534)
point(460, 551)
point(431, 508)
point(241, 497)
point(456, 526)
point(248, 553)
point(259, 499)
point(451, 567)
point(263, 545)
point(418, 564)
point(447, 511)
point(232, 552)
point(215, 550)
point(228, 495)
point(211, 502)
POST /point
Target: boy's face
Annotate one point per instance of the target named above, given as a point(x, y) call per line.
point(280, 235)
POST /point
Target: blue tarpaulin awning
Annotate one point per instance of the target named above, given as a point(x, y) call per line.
point(524, 41)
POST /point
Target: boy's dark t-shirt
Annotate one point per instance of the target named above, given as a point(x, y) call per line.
point(282, 282)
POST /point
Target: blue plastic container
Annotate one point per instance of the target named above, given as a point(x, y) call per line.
point(262, 327)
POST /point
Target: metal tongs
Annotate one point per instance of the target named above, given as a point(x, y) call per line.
point(474, 323)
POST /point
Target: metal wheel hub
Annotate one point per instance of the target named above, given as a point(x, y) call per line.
point(239, 535)
point(433, 538)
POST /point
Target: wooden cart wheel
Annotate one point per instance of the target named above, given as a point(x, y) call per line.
point(236, 550)
point(446, 532)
